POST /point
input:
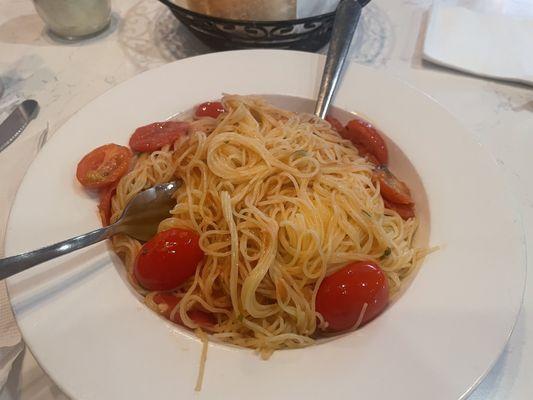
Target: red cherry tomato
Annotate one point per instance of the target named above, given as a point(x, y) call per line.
point(168, 259)
point(104, 207)
point(367, 139)
point(372, 159)
point(341, 296)
point(405, 211)
point(336, 124)
point(210, 109)
point(103, 166)
point(391, 188)
point(202, 318)
point(154, 136)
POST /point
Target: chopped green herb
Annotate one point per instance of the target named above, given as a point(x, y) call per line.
point(226, 141)
point(240, 317)
point(366, 213)
point(386, 253)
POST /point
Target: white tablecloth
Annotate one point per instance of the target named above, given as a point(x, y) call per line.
point(63, 77)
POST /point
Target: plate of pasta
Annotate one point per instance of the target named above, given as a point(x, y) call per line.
point(301, 257)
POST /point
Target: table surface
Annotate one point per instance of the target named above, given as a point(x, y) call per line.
point(65, 76)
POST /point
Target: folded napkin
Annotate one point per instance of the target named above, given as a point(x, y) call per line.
point(490, 45)
point(10, 341)
point(310, 8)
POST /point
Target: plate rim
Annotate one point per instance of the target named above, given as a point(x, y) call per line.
point(511, 196)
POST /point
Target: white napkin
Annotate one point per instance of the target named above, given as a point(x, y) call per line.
point(10, 341)
point(489, 45)
point(310, 8)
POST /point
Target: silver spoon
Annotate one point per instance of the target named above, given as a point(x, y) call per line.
point(346, 19)
point(139, 220)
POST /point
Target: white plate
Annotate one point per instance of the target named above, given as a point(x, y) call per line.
point(97, 341)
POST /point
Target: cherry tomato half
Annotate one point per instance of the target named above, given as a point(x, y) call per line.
point(104, 207)
point(210, 109)
point(391, 188)
point(367, 139)
point(168, 259)
point(342, 295)
point(202, 318)
point(103, 166)
point(154, 136)
point(336, 124)
point(405, 211)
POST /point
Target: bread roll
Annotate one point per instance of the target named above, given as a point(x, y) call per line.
point(259, 10)
point(199, 6)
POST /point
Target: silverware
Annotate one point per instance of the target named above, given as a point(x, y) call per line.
point(346, 19)
point(17, 121)
point(139, 220)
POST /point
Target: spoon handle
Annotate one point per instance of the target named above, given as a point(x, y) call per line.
point(346, 19)
point(13, 265)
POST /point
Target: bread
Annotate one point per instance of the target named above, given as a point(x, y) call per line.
point(199, 6)
point(267, 10)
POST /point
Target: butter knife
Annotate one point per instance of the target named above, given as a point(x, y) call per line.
point(17, 121)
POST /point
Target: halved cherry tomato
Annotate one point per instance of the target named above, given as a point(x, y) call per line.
point(372, 159)
point(367, 139)
point(210, 109)
point(341, 296)
point(336, 124)
point(153, 137)
point(168, 259)
point(103, 166)
point(104, 207)
point(202, 318)
point(405, 211)
point(167, 299)
point(391, 188)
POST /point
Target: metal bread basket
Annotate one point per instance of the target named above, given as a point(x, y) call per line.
point(307, 34)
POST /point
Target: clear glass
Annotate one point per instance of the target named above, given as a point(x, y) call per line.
point(74, 19)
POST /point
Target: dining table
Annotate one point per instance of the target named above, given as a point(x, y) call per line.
point(63, 76)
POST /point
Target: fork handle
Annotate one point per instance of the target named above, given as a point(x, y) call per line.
point(13, 265)
point(346, 19)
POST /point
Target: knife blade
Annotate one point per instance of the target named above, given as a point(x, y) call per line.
point(17, 121)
